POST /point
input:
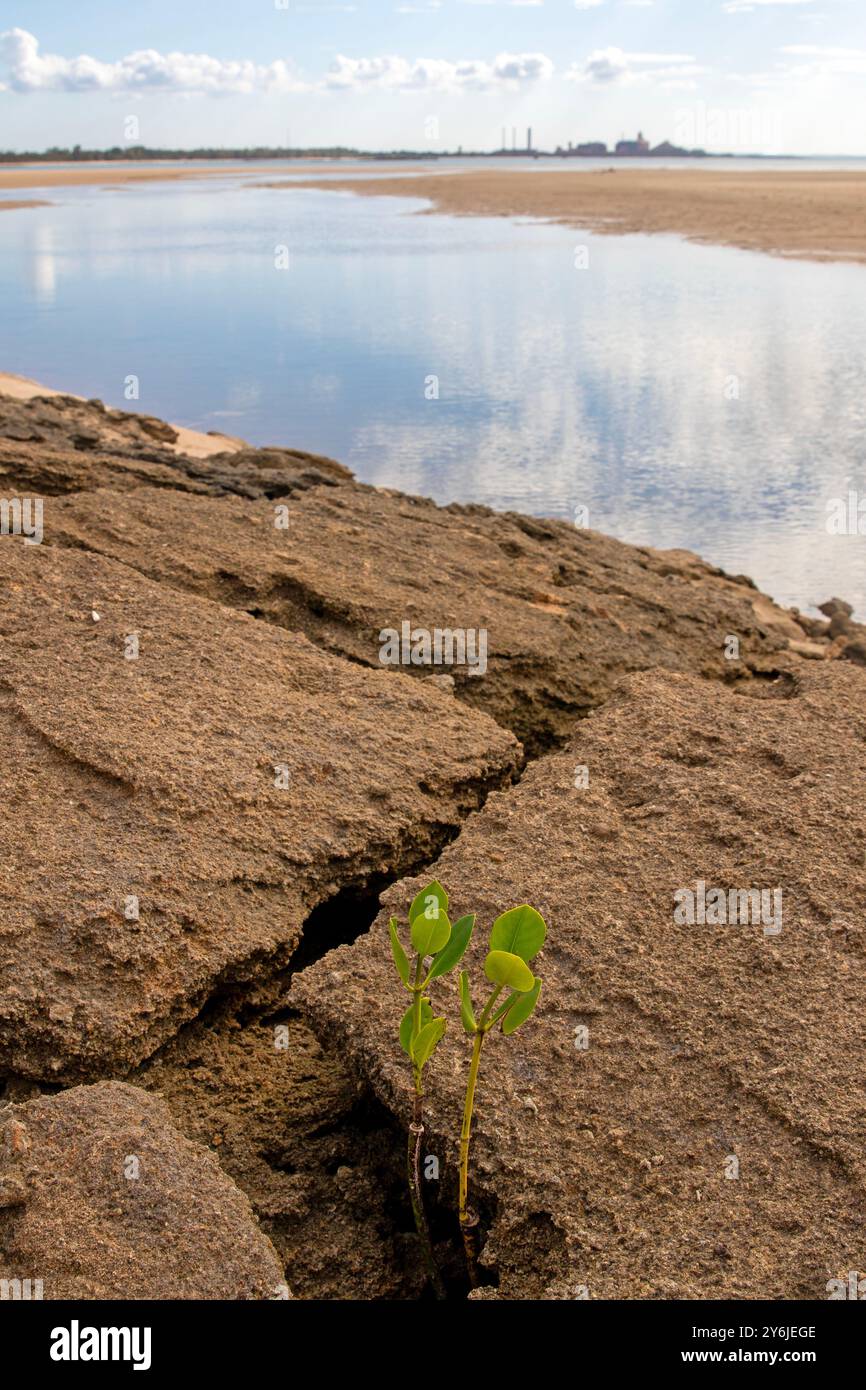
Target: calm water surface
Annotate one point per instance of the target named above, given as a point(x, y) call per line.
point(686, 395)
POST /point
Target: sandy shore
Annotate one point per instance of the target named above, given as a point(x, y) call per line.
point(812, 215)
point(109, 172)
point(8, 204)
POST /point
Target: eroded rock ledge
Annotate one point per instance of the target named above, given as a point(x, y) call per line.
point(252, 773)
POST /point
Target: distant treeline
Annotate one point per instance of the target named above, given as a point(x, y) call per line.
point(58, 155)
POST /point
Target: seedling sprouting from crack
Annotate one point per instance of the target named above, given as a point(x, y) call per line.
point(438, 947)
point(515, 938)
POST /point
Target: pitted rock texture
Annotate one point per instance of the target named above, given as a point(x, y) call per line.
point(230, 778)
point(709, 1140)
point(102, 1198)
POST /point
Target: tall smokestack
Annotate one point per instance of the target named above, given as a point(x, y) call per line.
point(514, 137)
point(529, 137)
point(503, 137)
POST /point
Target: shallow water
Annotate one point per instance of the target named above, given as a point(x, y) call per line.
point(685, 395)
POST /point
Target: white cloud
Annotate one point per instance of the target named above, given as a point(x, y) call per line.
point(744, 6)
point(825, 61)
point(587, 4)
point(610, 65)
point(27, 70)
point(425, 73)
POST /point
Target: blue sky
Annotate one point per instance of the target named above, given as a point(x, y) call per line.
point(777, 76)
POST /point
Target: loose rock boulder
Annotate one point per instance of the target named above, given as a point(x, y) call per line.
point(101, 1198)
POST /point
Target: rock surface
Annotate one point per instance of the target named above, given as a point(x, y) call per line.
point(567, 612)
point(160, 778)
point(609, 1167)
point(56, 444)
point(101, 1198)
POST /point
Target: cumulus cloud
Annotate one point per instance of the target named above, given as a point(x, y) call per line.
point(28, 70)
point(425, 73)
point(25, 69)
point(610, 65)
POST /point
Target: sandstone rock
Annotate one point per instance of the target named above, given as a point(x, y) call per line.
point(567, 612)
point(835, 606)
point(815, 651)
point(609, 1165)
point(815, 628)
point(55, 444)
point(841, 625)
point(117, 1205)
point(171, 820)
point(854, 651)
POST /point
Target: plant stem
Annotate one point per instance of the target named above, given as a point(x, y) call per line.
point(468, 1219)
point(413, 1153)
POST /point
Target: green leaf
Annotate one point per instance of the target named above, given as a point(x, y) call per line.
point(406, 1024)
point(451, 953)
point(520, 931)
point(466, 1011)
point(398, 953)
point(431, 901)
point(430, 934)
point(426, 1041)
point(503, 968)
point(523, 1006)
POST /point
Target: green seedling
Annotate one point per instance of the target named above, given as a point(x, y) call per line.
point(437, 948)
point(515, 938)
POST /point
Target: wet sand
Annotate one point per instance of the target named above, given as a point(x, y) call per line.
point(811, 215)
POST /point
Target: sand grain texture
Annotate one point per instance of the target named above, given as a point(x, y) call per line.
point(155, 777)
